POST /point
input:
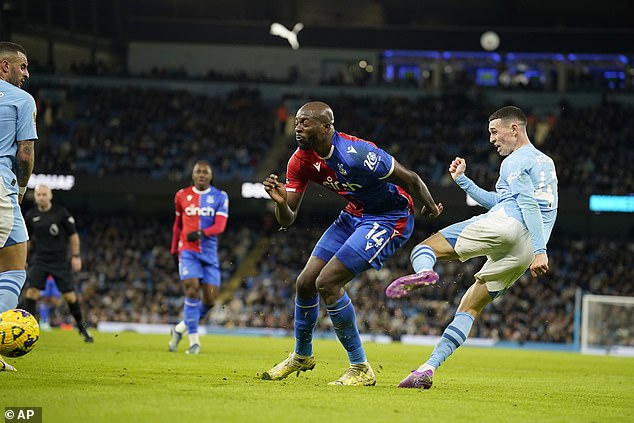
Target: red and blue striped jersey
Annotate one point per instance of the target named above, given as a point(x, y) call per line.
point(355, 169)
point(198, 211)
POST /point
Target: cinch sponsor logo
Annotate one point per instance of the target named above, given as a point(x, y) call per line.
point(199, 211)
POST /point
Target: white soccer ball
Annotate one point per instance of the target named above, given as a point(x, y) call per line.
point(490, 40)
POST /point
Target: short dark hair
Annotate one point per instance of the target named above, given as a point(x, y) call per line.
point(203, 163)
point(12, 48)
point(509, 112)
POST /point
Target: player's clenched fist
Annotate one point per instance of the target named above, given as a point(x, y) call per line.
point(457, 167)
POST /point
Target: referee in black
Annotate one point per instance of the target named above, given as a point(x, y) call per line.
point(52, 231)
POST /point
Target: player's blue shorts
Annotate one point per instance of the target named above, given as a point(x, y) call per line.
point(196, 265)
point(12, 227)
point(366, 241)
point(51, 289)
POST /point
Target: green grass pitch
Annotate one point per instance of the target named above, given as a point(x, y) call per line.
point(129, 377)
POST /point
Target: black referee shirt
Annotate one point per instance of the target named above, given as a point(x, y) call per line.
point(49, 232)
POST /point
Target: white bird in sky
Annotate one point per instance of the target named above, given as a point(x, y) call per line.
point(291, 36)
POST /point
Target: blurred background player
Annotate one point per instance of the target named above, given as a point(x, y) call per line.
point(48, 302)
point(53, 233)
point(17, 155)
point(512, 235)
point(202, 211)
point(378, 220)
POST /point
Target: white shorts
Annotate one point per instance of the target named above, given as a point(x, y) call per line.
point(12, 227)
point(502, 239)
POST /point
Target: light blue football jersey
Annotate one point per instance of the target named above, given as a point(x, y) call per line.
point(17, 123)
point(526, 190)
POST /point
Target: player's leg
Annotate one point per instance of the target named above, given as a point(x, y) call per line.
point(191, 313)
point(456, 333)
point(305, 319)
point(307, 302)
point(209, 289)
point(12, 274)
point(373, 240)
point(508, 247)
point(13, 248)
point(75, 310)
point(439, 246)
point(48, 301)
point(342, 314)
point(191, 272)
point(64, 281)
point(35, 284)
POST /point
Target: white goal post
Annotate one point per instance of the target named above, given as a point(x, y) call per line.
point(607, 325)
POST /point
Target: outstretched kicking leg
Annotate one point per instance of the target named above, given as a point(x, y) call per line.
point(455, 334)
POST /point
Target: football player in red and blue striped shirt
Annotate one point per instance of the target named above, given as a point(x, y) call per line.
point(202, 211)
point(378, 219)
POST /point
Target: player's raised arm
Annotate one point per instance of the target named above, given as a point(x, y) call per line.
point(485, 198)
point(414, 185)
point(286, 203)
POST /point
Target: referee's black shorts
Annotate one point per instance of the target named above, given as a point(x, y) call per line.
point(38, 272)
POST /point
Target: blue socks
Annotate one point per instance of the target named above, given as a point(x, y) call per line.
point(454, 335)
point(306, 314)
point(11, 283)
point(345, 324)
point(43, 309)
point(203, 309)
point(192, 315)
point(422, 258)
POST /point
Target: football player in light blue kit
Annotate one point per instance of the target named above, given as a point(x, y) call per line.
point(512, 234)
point(17, 155)
point(378, 219)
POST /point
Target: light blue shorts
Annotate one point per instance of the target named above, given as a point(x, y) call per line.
point(12, 227)
point(504, 241)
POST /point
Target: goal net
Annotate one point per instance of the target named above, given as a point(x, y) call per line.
point(607, 325)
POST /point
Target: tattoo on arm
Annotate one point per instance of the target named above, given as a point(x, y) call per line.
point(24, 161)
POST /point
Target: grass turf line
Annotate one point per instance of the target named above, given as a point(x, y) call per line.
point(132, 378)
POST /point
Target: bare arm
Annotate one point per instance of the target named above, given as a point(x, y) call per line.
point(24, 161)
point(75, 255)
point(414, 185)
point(286, 203)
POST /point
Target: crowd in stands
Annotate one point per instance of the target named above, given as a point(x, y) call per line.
point(151, 132)
point(533, 310)
point(135, 131)
point(129, 276)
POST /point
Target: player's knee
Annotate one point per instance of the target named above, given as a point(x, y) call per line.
point(70, 297)
point(32, 294)
point(326, 286)
point(306, 285)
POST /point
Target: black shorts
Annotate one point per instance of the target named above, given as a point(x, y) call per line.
point(38, 272)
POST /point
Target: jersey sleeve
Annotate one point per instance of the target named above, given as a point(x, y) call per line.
point(379, 161)
point(177, 226)
point(178, 208)
point(26, 121)
point(223, 205)
point(68, 222)
point(486, 199)
point(296, 179)
point(522, 188)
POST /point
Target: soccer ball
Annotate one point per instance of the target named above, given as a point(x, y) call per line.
point(19, 332)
